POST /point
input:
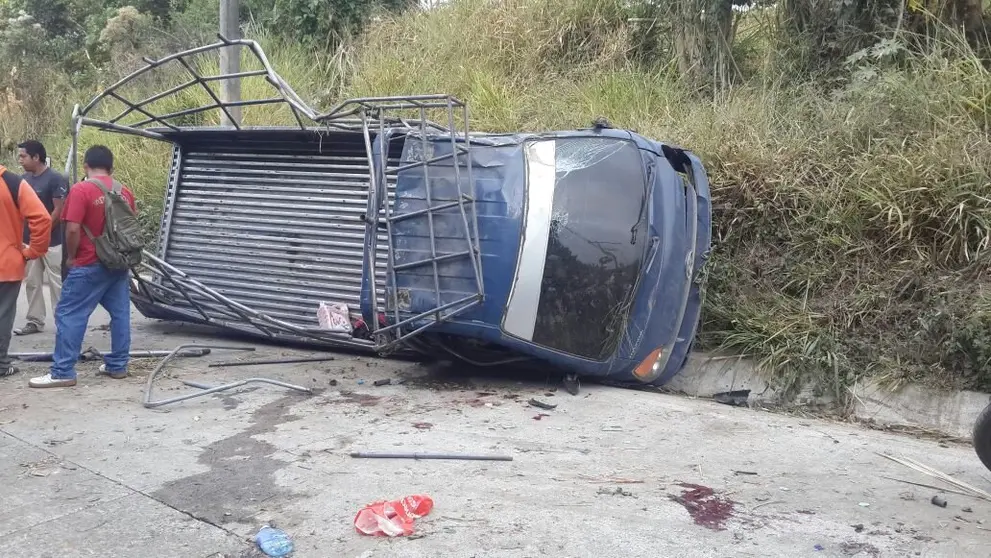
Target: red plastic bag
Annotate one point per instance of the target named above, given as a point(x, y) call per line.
point(392, 519)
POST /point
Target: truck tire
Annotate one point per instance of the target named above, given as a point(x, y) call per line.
point(982, 436)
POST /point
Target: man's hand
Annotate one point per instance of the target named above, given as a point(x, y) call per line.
point(69, 264)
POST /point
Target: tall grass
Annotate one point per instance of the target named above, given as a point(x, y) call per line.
point(852, 220)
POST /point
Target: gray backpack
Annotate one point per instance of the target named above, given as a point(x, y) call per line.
point(120, 245)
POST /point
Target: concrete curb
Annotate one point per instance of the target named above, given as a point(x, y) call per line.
point(952, 412)
point(705, 375)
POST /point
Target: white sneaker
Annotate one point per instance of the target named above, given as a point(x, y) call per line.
point(47, 381)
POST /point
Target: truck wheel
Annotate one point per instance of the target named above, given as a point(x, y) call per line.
point(982, 437)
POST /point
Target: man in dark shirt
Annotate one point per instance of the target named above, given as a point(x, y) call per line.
point(51, 188)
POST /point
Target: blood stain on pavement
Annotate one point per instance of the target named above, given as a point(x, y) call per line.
point(705, 507)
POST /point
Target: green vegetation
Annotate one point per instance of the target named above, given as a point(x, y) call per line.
point(847, 144)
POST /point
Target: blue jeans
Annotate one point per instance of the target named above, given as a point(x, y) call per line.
point(83, 289)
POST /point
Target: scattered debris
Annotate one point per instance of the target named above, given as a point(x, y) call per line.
point(761, 505)
point(938, 500)
point(819, 547)
point(737, 398)
point(864, 505)
point(383, 382)
point(47, 466)
point(332, 382)
point(539, 416)
point(273, 542)
point(542, 405)
point(268, 361)
point(967, 510)
point(705, 507)
point(392, 519)
point(858, 527)
point(618, 491)
point(854, 549)
point(935, 473)
point(610, 480)
point(923, 485)
point(613, 428)
point(422, 425)
point(334, 316)
point(205, 389)
point(745, 473)
point(362, 399)
point(367, 455)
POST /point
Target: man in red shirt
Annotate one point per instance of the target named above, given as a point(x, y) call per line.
point(89, 282)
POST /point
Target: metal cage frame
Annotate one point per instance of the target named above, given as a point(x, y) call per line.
point(365, 115)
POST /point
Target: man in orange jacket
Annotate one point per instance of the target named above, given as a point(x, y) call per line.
point(18, 203)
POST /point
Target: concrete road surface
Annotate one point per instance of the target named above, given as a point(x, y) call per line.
point(88, 471)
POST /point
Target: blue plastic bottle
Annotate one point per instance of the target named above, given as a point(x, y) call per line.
point(274, 542)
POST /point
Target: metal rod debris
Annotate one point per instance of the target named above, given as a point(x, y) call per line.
point(269, 361)
point(92, 354)
point(148, 403)
point(541, 405)
point(208, 389)
point(366, 455)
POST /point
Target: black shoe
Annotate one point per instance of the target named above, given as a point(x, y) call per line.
point(8, 371)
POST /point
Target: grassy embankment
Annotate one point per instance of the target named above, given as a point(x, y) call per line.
point(852, 218)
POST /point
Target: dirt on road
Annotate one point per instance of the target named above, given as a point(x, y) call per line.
point(610, 472)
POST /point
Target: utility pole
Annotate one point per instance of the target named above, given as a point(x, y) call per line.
point(230, 57)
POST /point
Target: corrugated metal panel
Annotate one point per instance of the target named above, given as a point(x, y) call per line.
point(273, 219)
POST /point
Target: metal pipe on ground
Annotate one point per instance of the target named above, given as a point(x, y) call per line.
point(91, 353)
point(206, 390)
point(269, 361)
point(367, 455)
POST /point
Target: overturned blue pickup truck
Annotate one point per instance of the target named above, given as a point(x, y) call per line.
point(372, 227)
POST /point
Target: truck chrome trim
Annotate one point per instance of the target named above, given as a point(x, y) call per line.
point(521, 312)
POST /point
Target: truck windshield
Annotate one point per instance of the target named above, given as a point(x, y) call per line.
point(596, 245)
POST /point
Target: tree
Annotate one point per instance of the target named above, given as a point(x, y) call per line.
point(967, 15)
point(830, 30)
point(322, 20)
point(703, 39)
